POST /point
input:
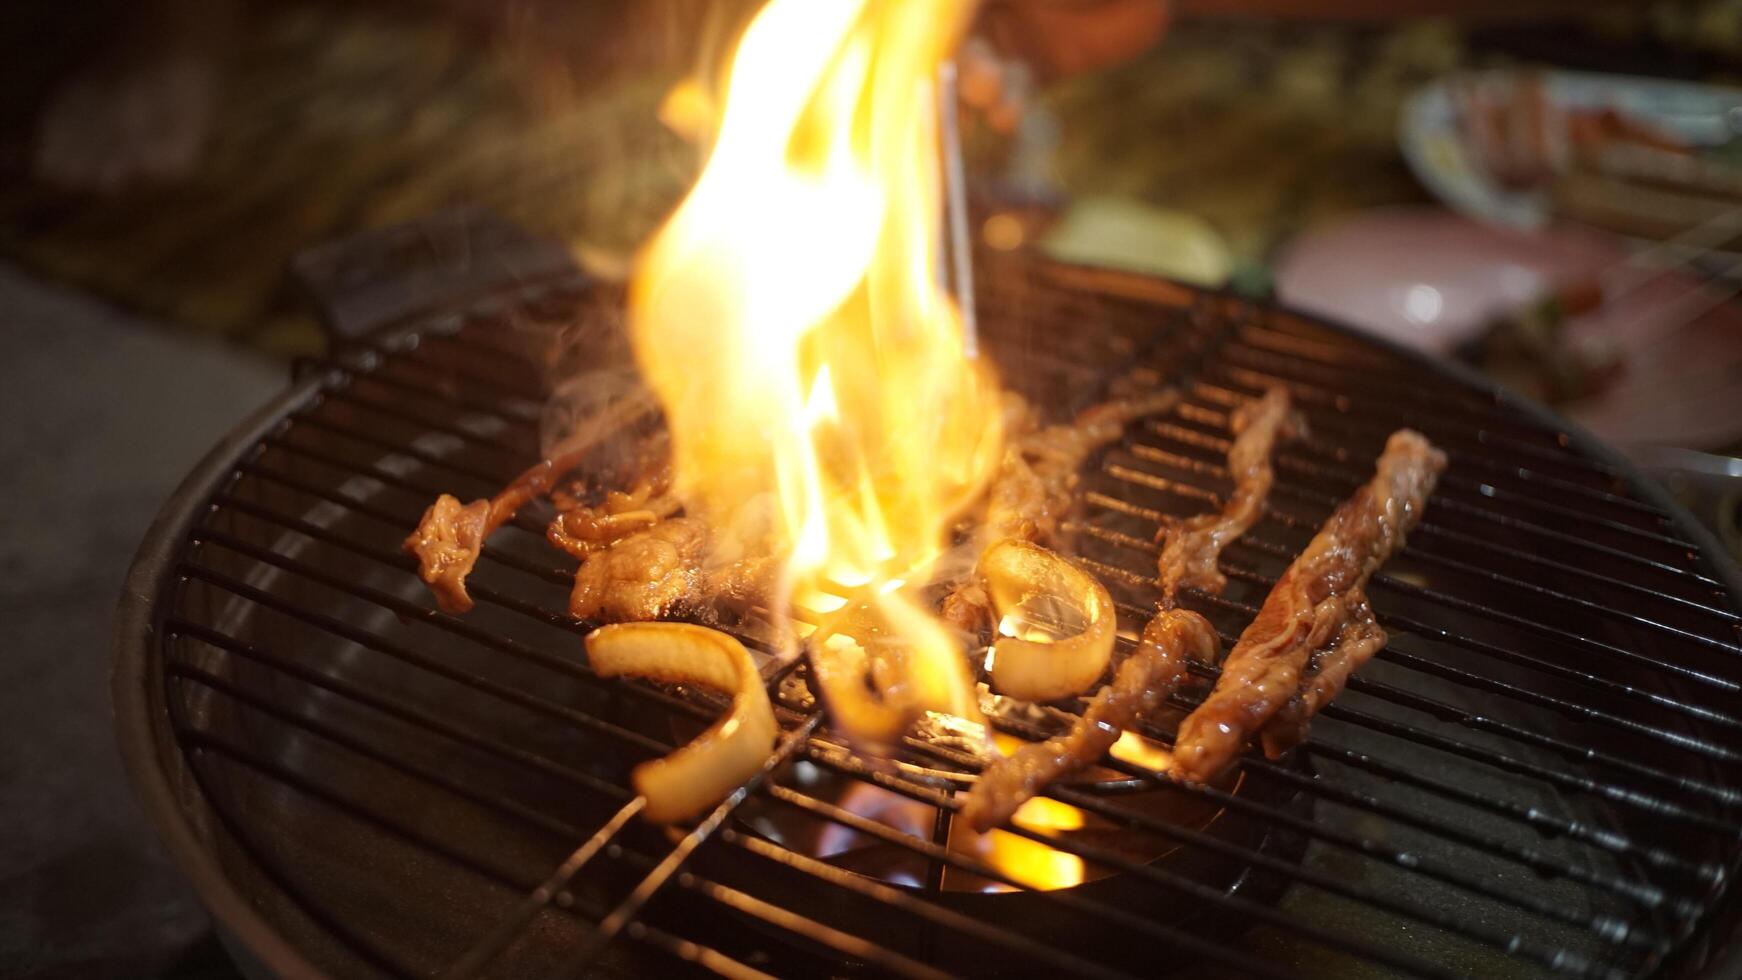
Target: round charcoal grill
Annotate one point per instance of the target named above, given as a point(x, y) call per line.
point(1539, 775)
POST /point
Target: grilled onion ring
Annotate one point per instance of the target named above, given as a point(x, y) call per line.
point(699, 775)
point(840, 668)
point(1017, 573)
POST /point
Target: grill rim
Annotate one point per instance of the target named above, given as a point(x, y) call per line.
point(137, 680)
point(138, 691)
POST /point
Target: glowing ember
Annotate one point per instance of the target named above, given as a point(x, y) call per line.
point(789, 318)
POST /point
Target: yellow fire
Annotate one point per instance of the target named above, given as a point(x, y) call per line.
point(789, 317)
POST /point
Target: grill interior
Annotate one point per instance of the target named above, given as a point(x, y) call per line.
point(1537, 775)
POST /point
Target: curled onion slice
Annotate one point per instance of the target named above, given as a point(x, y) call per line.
point(699, 775)
point(1055, 621)
point(840, 668)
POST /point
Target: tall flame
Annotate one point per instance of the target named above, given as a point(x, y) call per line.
point(789, 317)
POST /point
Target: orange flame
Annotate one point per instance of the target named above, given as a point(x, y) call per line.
point(789, 317)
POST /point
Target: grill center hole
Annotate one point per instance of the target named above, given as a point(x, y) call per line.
point(1044, 617)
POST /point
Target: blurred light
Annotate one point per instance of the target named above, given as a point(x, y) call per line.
point(1003, 232)
point(1422, 304)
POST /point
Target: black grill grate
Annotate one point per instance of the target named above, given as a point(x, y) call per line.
point(1537, 775)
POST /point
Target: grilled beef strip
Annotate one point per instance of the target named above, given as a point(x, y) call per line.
point(1309, 607)
point(1034, 487)
point(1154, 669)
point(451, 535)
point(1192, 545)
point(1143, 682)
point(1355, 644)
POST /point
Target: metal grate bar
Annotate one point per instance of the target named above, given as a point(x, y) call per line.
point(1643, 893)
point(385, 477)
point(202, 740)
point(394, 560)
point(1117, 505)
point(1639, 892)
point(1463, 717)
point(417, 372)
point(387, 377)
point(669, 866)
point(937, 915)
point(1575, 640)
point(177, 626)
point(405, 654)
point(489, 481)
point(1605, 927)
point(1388, 378)
point(1619, 794)
point(1174, 883)
point(1429, 526)
point(1441, 634)
point(458, 395)
point(1513, 942)
point(1330, 378)
point(331, 733)
point(1342, 473)
point(696, 953)
point(1678, 739)
point(411, 610)
point(474, 342)
point(1270, 814)
point(1467, 461)
point(1534, 817)
point(1452, 501)
point(1547, 824)
point(845, 943)
point(1334, 410)
point(549, 573)
point(490, 443)
point(1493, 847)
point(342, 542)
point(508, 930)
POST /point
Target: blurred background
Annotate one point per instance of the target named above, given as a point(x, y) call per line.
point(1550, 192)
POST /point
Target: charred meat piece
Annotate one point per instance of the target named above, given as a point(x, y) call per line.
point(1309, 607)
point(1032, 491)
point(1155, 667)
point(581, 530)
point(664, 570)
point(644, 576)
point(1146, 678)
point(1355, 644)
point(968, 608)
point(1188, 556)
point(450, 536)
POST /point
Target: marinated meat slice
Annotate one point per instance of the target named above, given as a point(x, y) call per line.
point(1032, 491)
point(1023, 503)
point(450, 536)
point(446, 544)
point(662, 570)
point(1148, 675)
point(968, 608)
point(746, 580)
point(1355, 644)
point(644, 576)
point(1321, 592)
point(582, 531)
point(1192, 546)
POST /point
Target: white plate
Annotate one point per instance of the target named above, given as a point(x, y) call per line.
point(1431, 137)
